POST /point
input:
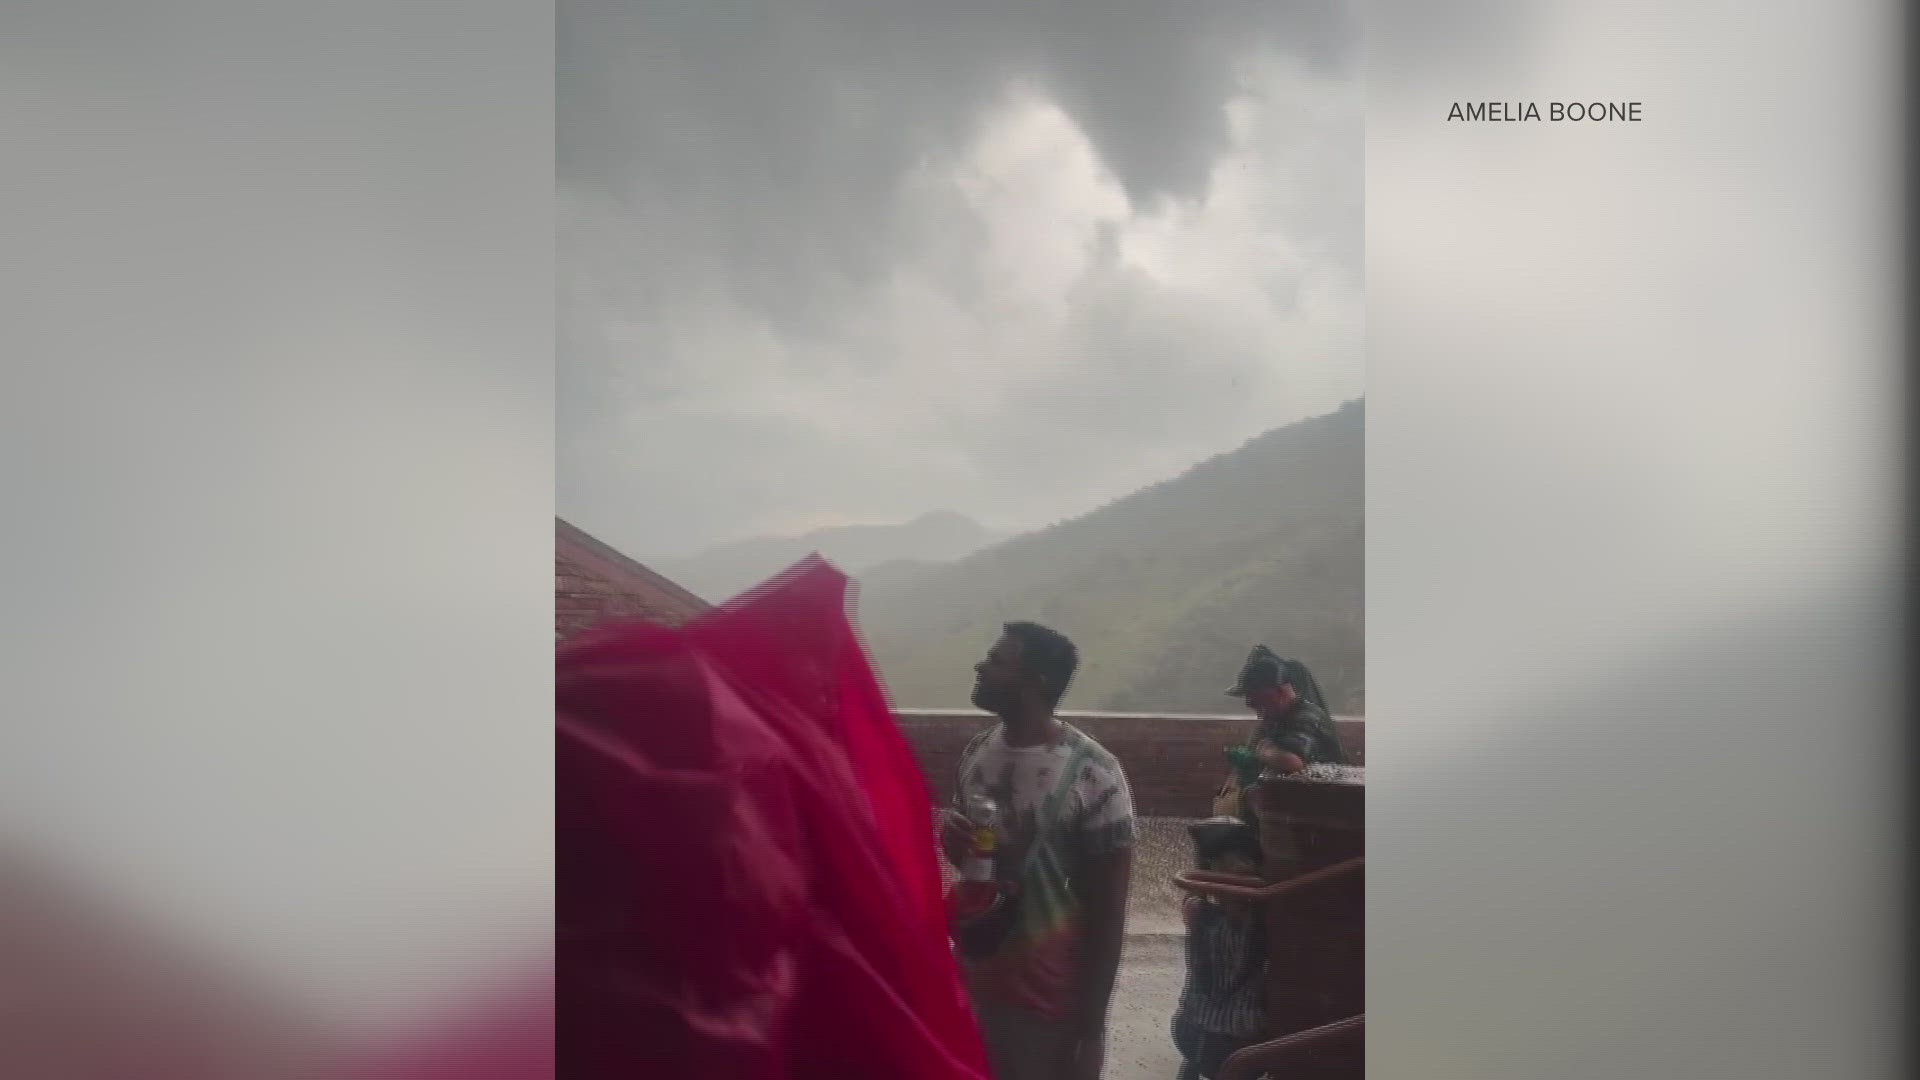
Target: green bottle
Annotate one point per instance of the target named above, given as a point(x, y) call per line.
point(1246, 767)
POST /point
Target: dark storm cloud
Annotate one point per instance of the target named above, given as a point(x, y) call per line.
point(736, 183)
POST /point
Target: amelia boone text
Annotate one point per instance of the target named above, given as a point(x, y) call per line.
point(1555, 111)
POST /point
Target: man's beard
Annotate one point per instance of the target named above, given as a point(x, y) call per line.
point(985, 699)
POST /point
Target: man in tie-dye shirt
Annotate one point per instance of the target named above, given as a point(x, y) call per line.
point(1042, 992)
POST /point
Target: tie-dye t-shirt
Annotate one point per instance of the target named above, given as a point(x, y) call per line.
point(1035, 967)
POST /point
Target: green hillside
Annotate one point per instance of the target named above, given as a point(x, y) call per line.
point(1164, 590)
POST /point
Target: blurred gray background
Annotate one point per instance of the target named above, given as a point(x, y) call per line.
point(1633, 521)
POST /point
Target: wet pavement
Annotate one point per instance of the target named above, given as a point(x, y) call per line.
point(1139, 1042)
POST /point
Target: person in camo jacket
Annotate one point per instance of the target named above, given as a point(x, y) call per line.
point(1295, 728)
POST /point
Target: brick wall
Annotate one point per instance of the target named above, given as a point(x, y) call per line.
point(1173, 763)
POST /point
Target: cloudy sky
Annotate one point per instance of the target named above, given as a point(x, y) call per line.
point(827, 263)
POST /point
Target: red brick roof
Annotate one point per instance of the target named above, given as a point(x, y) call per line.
point(592, 582)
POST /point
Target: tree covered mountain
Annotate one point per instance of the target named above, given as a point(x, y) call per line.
point(1164, 590)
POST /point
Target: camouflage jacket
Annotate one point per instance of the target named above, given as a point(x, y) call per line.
point(1306, 731)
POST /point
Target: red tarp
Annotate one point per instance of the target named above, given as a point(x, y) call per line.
point(747, 885)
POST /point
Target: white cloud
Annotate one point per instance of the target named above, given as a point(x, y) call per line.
point(1026, 309)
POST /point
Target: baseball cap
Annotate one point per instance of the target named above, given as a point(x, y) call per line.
point(1262, 669)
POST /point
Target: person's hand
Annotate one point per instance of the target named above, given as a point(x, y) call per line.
point(954, 835)
point(1281, 761)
